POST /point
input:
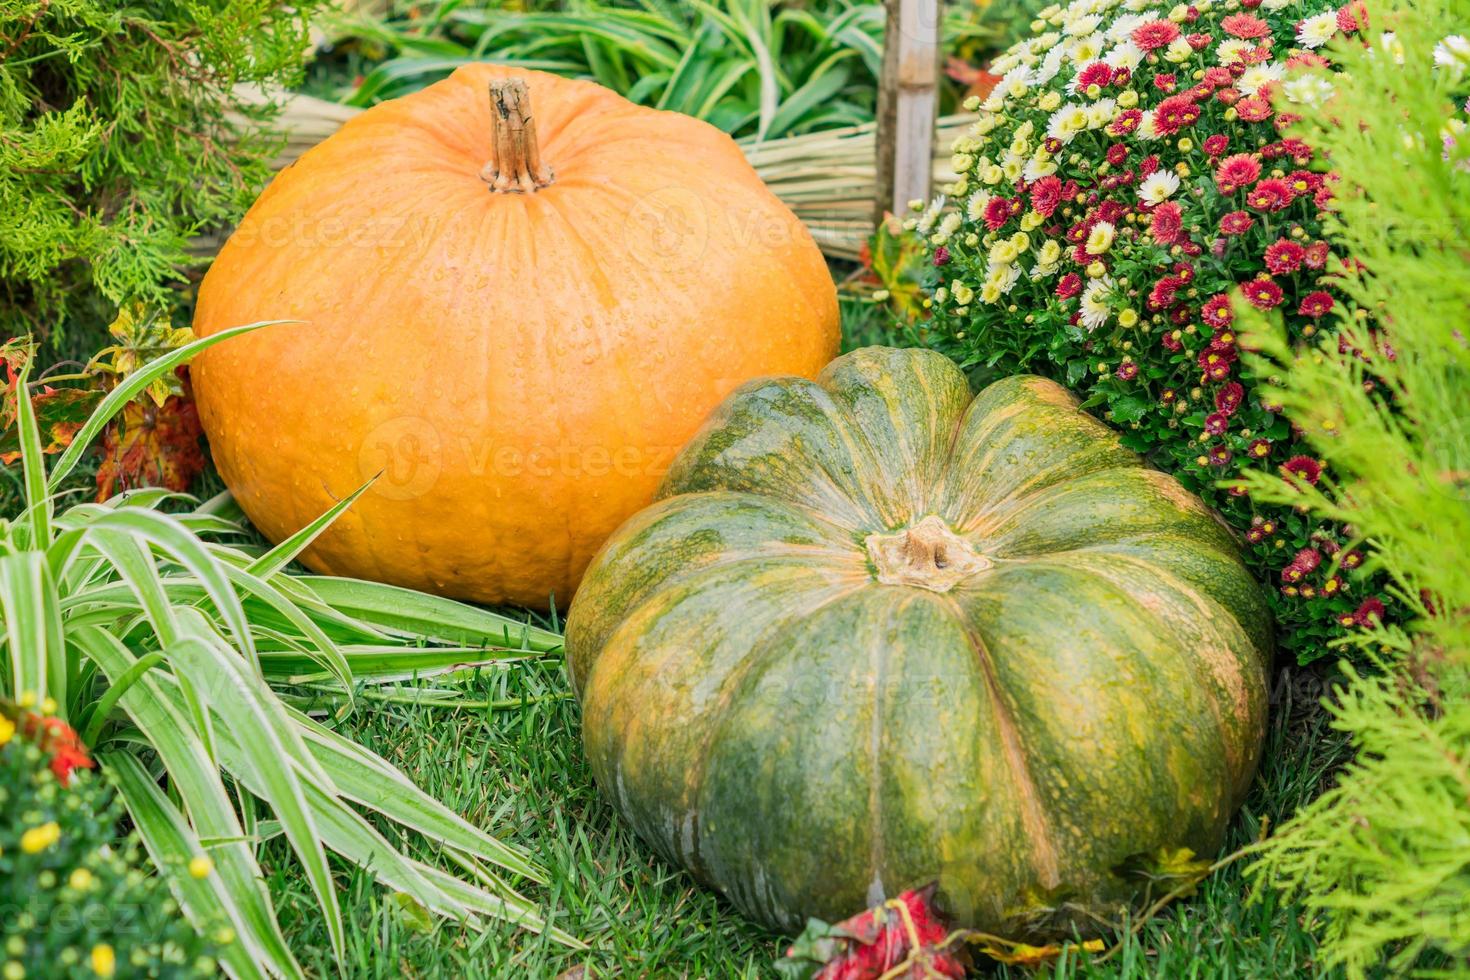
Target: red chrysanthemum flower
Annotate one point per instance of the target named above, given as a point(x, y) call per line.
point(1220, 457)
point(1046, 194)
point(1069, 286)
point(1215, 146)
point(1284, 256)
point(1052, 145)
point(1229, 397)
point(1216, 423)
point(1167, 223)
point(1125, 122)
point(1165, 81)
point(1352, 17)
point(1246, 26)
point(1216, 311)
point(1308, 559)
point(1184, 271)
point(1262, 293)
point(997, 213)
point(1172, 343)
point(1154, 35)
point(1304, 468)
point(1370, 610)
point(941, 256)
point(1174, 113)
point(1096, 73)
point(1316, 304)
point(1217, 78)
point(1117, 153)
point(1235, 171)
point(1259, 448)
point(1317, 255)
point(1198, 41)
point(1228, 96)
point(1270, 194)
point(1215, 362)
point(1162, 296)
point(1254, 109)
point(1236, 223)
point(1127, 371)
point(1333, 585)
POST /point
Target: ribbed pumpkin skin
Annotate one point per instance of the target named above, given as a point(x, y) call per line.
point(521, 368)
point(808, 739)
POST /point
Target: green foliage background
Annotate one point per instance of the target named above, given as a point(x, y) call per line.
point(116, 143)
point(1384, 856)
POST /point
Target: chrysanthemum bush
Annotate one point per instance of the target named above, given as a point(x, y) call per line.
point(78, 902)
point(1127, 175)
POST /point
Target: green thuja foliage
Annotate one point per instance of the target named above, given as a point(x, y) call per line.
point(1385, 854)
point(116, 144)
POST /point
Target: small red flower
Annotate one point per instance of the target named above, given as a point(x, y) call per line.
point(1216, 423)
point(1046, 194)
point(1236, 223)
point(1163, 293)
point(1125, 122)
point(1259, 449)
point(1198, 41)
point(1304, 468)
point(1317, 255)
point(997, 213)
point(1172, 342)
point(1220, 457)
point(1262, 293)
point(1154, 35)
point(1352, 17)
point(1246, 26)
point(1254, 109)
point(1284, 256)
point(941, 256)
point(1096, 73)
point(1127, 371)
point(1215, 362)
point(1069, 286)
point(1316, 304)
point(1271, 194)
point(1117, 153)
point(1308, 559)
point(1165, 81)
point(1235, 171)
point(1215, 146)
point(1167, 223)
point(1216, 311)
point(1352, 559)
point(1371, 610)
point(1174, 113)
point(1229, 398)
point(1217, 77)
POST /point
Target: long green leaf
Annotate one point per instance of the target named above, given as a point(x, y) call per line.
point(35, 640)
point(171, 843)
point(33, 464)
point(417, 614)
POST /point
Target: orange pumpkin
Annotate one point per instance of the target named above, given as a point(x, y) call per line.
point(514, 322)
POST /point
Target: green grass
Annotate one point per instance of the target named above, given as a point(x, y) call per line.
point(520, 773)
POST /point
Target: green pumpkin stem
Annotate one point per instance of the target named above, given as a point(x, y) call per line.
point(515, 165)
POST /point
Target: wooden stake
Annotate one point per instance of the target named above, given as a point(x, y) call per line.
point(908, 98)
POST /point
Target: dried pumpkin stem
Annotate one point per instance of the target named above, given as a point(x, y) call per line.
point(515, 166)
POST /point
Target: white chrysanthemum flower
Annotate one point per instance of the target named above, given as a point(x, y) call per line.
point(962, 293)
point(930, 215)
point(1125, 55)
point(1275, 5)
point(1038, 168)
point(1002, 253)
point(1095, 308)
point(1317, 31)
point(1178, 51)
point(1050, 252)
point(1158, 186)
point(1004, 278)
point(1082, 26)
point(1122, 27)
point(950, 223)
point(1309, 89)
point(975, 207)
point(1100, 239)
point(1086, 49)
point(1138, 6)
point(1050, 65)
point(1015, 83)
point(1101, 112)
point(1453, 52)
point(1066, 123)
point(1257, 77)
point(1231, 50)
point(1146, 128)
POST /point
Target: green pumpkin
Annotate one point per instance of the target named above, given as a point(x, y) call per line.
point(876, 632)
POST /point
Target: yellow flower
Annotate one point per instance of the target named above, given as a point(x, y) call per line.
point(1096, 270)
point(1031, 220)
point(1128, 98)
point(37, 839)
point(7, 729)
point(104, 960)
point(1100, 239)
point(48, 706)
point(1051, 101)
point(27, 699)
point(1051, 252)
point(1128, 318)
point(80, 880)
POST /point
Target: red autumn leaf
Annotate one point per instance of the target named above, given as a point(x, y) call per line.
point(151, 445)
point(977, 81)
point(902, 939)
point(60, 412)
